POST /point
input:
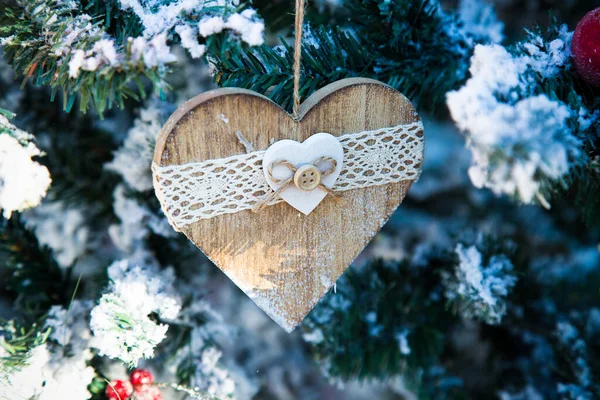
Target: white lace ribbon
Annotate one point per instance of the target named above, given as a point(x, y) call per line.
point(206, 189)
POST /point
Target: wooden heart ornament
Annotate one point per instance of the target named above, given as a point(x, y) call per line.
point(209, 175)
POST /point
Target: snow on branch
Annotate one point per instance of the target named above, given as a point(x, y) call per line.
point(524, 138)
point(57, 363)
point(123, 322)
point(23, 182)
point(479, 288)
point(193, 20)
point(64, 45)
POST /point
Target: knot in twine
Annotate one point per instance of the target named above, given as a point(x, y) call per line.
point(285, 183)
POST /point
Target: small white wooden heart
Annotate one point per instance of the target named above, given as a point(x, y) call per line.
point(299, 154)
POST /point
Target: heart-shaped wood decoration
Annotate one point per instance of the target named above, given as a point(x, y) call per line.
point(285, 260)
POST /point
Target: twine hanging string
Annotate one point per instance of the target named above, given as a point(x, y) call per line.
point(287, 182)
point(298, 55)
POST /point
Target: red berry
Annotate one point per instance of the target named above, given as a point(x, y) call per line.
point(586, 47)
point(141, 377)
point(118, 390)
point(147, 393)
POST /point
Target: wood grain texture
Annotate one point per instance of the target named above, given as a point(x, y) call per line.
point(286, 261)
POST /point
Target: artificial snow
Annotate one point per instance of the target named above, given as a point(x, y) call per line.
point(249, 30)
point(189, 40)
point(23, 182)
point(61, 228)
point(157, 19)
point(570, 339)
point(210, 26)
point(88, 48)
point(27, 381)
point(402, 339)
point(76, 63)
point(121, 321)
point(223, 118)
point(314, 336)
point(136, 223)
point(134, 158)
point(548, 58)
point(519, 140)
point(211, 377)
point(105, 50)
point(70, 326)
point(156, 52)
point(166, 16)
point(57, 369)
point(200, 353)
point(479, 21)
point(481, 287)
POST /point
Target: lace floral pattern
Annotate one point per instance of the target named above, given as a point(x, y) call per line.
point(206, 189)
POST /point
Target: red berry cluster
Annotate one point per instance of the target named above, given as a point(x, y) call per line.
point(139, 387)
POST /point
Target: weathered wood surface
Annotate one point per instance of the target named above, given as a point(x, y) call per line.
point(286, 261)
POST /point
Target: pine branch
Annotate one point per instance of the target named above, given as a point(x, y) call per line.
point(270, 70)
point(388, 319)
point(33, 278)
point(316, 13)
point(416, 51)
point(77, 159)
point(17, 341)
point(384, 320)
point(405, 44)
point(582, 185)
point(587, 189)
point(116, 22)
point(42, 37)
point(103, 52)
point(357, 333)
point(7, 114)
point(76, 148)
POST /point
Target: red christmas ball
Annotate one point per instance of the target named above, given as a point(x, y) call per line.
point(119, 390)
point(140, 377)
point(585, 47)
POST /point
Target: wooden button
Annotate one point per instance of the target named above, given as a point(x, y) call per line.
point(307, 177)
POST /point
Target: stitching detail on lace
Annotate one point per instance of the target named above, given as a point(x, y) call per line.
point(206, 189)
